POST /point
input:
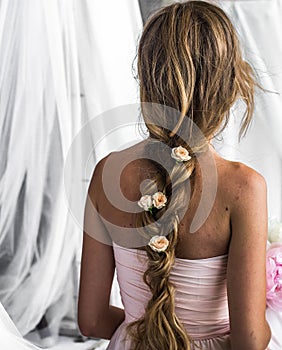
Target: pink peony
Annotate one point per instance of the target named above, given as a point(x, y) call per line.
point(274, 276)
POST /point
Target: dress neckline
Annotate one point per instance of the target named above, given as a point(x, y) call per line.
point(143, 252)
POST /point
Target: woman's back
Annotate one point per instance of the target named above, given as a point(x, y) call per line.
point(199, 273)
point(224, 246)
point(212, 237)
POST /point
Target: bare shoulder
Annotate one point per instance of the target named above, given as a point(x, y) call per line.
point(240, 182)
point(121, 171)
point(243, 175)
point(246, 192)
point(112, 164)
point(95, 186)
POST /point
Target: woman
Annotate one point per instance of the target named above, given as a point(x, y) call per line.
point(200, 284)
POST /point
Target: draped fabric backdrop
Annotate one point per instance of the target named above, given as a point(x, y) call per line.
point(63, 63)
point(40, 113)
point(259, 24)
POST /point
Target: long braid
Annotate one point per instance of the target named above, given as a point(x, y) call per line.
point(160, 328)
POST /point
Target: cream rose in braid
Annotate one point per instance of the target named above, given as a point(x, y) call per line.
point(156, 201)
point(180, 154)
point(159, 200)
point(158, 243)
point(146, 202)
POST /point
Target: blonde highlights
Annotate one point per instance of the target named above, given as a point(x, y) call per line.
point(189, 59)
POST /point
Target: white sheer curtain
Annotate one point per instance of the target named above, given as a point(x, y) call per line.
point(259, 24)
point(107, 33)
point(53, 54)
point(40, 113)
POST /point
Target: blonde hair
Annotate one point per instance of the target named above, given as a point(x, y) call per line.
point(189, 59)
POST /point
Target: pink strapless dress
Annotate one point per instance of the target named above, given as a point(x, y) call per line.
point(201, 297)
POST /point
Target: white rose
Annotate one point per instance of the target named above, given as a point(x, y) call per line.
point(180, 154)
point(274, 231)
point(159, 243)
point(159, 200)
point(145, 202)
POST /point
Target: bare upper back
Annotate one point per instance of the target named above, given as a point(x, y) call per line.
point(122, 173)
